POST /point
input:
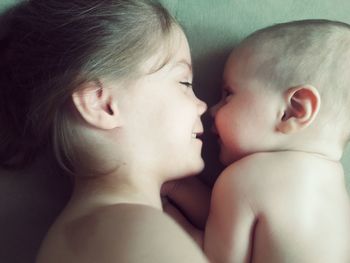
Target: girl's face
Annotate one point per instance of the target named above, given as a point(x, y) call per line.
point(161, 117)
point(245, 117)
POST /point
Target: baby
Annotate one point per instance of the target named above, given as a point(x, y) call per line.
point(283, 125)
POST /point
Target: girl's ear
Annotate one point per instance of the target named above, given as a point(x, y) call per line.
point(302, 105)
point(96, 105)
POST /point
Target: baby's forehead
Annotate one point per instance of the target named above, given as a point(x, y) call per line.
point(243, 59)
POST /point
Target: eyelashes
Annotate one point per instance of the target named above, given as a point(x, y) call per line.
point(186, 84)
point(226, 94)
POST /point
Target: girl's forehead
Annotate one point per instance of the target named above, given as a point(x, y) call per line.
point(173, 52)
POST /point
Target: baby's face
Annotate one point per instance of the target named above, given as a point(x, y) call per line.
point(246, 114)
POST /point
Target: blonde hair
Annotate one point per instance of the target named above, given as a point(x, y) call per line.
point(50, 48)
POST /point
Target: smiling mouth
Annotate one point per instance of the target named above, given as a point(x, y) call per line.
point(197, 135)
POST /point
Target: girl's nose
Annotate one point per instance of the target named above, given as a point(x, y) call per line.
point(202, 107)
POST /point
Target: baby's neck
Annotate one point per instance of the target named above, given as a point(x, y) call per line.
point(321, 138)
point(299, 163)
point(329, 150)
point(318, 155)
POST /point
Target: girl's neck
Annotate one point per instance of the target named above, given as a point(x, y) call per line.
point(112, 189)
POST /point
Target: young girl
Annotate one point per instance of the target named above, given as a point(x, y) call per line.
point(105, 85)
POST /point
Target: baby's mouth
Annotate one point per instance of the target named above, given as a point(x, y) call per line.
point(214, 130)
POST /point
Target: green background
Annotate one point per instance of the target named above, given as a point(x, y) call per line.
point(213, 27)
point(30, 199)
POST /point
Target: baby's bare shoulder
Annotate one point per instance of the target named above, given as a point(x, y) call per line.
point(292, 177)
point(248, 174)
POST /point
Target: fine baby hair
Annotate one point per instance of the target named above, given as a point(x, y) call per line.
point(50, 48)
point(314, 52)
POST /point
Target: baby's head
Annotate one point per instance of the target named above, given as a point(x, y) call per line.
point(66, 62)
point(289, 85)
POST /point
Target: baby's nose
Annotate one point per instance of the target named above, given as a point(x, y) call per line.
point(213, 110)
point(213, 129)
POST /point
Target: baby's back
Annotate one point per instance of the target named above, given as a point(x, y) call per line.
point(303, 210)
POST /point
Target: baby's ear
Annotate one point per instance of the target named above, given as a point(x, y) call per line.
point(301, 106)
point(96, 105)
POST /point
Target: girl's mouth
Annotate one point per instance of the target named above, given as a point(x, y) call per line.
point(197, 135)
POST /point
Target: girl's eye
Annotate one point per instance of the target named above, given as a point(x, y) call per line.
point(186, 84)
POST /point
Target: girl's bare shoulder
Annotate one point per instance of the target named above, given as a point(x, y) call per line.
point(128, 233)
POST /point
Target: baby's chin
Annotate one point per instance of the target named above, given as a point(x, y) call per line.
point(227, 158)
point(224, 159)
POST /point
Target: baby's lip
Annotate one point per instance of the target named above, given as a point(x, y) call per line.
point(214, 130)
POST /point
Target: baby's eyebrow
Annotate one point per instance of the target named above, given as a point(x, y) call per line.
point(223, 84)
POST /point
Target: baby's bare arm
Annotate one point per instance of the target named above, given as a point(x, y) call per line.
point(192, 197)
point(187, 201)
point(229, 230)
point(179, 217)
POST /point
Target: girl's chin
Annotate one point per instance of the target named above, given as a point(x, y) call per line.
point(200, 166)
point(195, 169)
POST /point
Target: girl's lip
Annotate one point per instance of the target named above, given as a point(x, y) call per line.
point(197, 135)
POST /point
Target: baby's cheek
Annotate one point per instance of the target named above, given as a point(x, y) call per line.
point(220, 122)
point(225, 128)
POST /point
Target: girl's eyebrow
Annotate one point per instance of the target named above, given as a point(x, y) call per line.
point(181, 63)
point(169, 66)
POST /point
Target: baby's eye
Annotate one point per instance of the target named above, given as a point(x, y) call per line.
point(186, 84)
point(226, 93)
